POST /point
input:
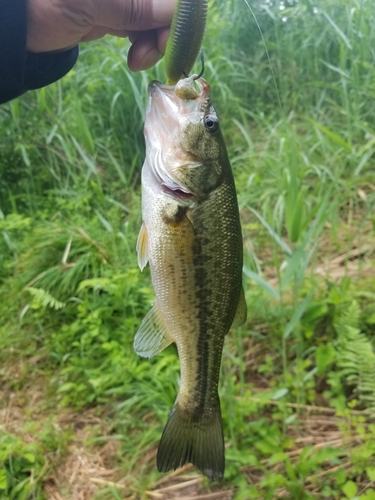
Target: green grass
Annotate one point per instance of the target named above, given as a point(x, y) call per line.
point(297, 384)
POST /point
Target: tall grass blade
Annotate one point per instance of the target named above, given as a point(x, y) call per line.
point(273, 234)
point(267, 287)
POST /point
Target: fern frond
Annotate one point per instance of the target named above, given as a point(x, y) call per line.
point(356, 356)
point(42, 298)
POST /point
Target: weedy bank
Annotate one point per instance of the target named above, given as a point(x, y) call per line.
point(81, 414)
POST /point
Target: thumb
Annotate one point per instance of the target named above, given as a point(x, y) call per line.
point(134, 15)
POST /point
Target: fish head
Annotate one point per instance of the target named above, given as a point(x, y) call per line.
point(184, 144)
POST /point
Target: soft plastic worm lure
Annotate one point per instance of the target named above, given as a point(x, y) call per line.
point(185, 39)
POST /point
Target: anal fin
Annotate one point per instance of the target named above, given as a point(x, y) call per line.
point(152, 336)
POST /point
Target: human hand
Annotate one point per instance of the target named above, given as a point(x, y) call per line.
point(55, 25)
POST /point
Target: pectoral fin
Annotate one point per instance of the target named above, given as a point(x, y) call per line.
point(183, 236)
point(142, 247)
point(152, 336)
point(241, 313)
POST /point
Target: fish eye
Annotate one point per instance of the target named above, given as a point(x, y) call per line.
point(211, 123)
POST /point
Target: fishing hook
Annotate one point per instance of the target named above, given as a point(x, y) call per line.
point(202, 70)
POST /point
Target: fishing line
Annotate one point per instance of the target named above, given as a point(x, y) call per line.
point(267, 53)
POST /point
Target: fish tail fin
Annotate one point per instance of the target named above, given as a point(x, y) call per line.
point(198, 441)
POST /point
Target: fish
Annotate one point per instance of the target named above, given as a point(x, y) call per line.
point(191, 237)
point(185, 38)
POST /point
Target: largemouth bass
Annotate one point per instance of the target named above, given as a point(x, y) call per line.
point(191, 236)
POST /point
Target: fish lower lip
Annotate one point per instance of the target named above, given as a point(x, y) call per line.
point(178, 193)
point(153, 86)
point(156, 86)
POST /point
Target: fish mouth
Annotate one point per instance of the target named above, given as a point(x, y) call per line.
point(162, 108)
point(187, 89)
point(172, 108)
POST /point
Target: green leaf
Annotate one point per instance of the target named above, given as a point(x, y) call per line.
point(294, 221)
point(350, 489)
point(341, 34)
point(30, 457)
point(370, 471)
point(280, 393)
point(261, 282)
point(371, 320)
point(332, 135)
point(277, 458)
point(315, 311)
point(300, 309)
point(68, 386)
point(273, 234)
point(368, 495)
point(324, 357)
point(41, 298)
point(3, 479)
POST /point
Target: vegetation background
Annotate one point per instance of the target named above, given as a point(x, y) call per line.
point(80, 413)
